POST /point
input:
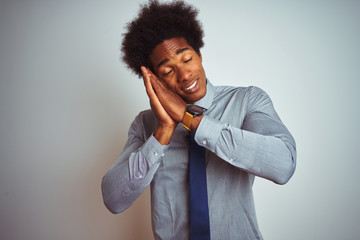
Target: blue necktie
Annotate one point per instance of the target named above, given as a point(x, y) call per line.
point(199, 211)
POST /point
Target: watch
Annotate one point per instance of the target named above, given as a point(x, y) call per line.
point(191, 112)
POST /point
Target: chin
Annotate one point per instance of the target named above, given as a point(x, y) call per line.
point(195, 97)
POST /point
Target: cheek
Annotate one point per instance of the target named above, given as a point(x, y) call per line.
point(170, 83)
point(198, 68)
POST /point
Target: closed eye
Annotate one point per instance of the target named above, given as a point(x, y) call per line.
point(188, 60)
point(168, 72)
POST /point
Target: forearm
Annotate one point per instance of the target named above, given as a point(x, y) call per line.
point(130, 175)
point(163, 134)
point(270, 156)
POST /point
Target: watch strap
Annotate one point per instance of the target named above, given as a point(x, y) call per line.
point(187, 120)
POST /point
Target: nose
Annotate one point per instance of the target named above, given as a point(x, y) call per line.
point(183, 74)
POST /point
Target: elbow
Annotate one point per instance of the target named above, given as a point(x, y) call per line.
point(287, 172)
point(112, 209)
point(284, 178)
point(288, 168)
point(116, 206)
point(111, 202)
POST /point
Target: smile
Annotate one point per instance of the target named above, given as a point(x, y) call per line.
point(191, 86)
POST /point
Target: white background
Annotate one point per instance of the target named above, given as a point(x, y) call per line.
point(66, 102)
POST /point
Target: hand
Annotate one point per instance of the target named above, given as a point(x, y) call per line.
point(173, 104)
point(166, 125)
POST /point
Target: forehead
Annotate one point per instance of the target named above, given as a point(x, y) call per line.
point(168, 49)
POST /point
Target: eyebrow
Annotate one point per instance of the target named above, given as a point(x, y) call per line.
point(181, 50)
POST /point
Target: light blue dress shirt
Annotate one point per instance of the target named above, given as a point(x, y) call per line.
point(243, 136)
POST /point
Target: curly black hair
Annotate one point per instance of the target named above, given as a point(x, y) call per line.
point(155, 23)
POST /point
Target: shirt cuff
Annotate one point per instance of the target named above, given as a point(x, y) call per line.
point(205, 137)
point(153, 150)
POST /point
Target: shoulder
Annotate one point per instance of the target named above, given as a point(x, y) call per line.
point(249, 98)
point(238, 92)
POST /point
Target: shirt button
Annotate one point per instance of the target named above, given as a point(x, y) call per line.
point(155, 154)
point(231, 160)
point(204, 142)
point(140, 176)
point(162, 154)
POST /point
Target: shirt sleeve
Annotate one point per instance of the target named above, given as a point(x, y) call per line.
point(262, 146)
point(133, 171)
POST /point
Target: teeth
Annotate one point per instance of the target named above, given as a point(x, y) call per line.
point(191, 86)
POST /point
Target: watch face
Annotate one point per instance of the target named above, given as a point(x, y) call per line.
point(195, 110)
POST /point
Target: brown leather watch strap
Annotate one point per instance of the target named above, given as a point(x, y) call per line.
point(187, 119)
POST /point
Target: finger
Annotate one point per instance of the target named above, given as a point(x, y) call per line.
point(170, 101)
point(155, 81)
point(147, 82)
point(145, 75)
point(154, 100)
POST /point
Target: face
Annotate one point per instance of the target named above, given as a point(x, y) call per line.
point(179, 66)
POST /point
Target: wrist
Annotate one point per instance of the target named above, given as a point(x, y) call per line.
point(192, 117)
point(163, 133)
point(195, 123)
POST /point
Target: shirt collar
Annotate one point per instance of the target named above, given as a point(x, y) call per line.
point(207, 100)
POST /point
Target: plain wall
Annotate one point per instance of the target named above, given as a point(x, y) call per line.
point(66, 102)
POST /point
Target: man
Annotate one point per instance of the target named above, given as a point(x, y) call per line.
point(242, 135)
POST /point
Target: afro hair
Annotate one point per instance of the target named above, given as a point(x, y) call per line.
point(155, 23)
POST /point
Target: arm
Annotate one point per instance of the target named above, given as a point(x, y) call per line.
point(137, 164)
point(262, 146)
point(133, 171)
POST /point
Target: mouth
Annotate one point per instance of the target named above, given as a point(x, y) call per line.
point(193, 87)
